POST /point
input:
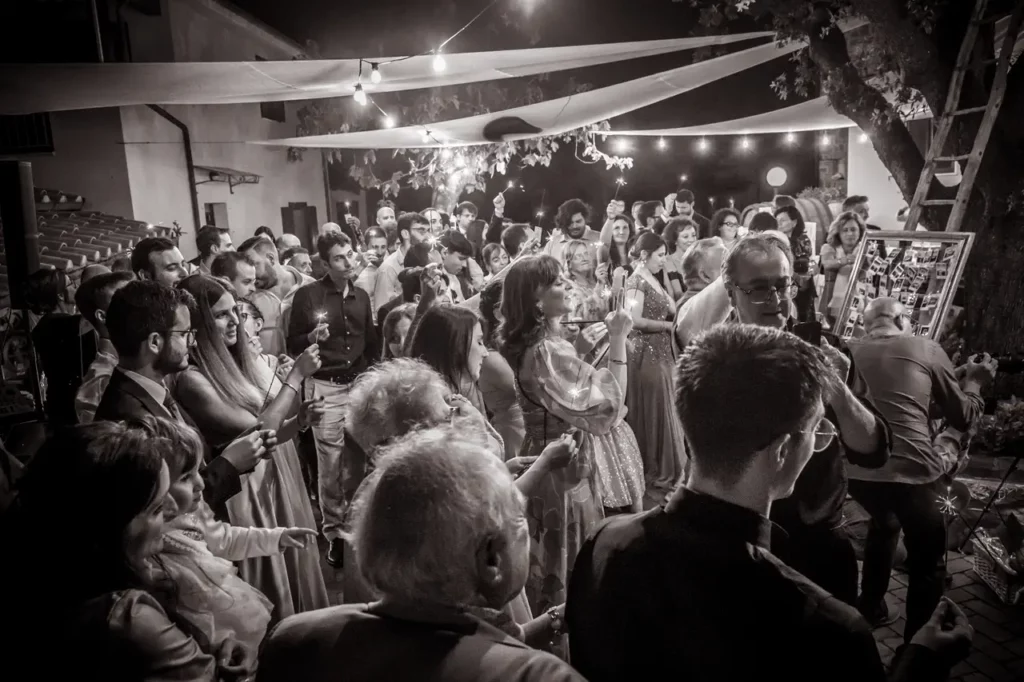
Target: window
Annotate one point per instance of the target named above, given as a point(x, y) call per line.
point(28, 134)
point(273, 111)
point(216, 214)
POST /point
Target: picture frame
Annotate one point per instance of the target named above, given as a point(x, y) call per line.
point(920, 269)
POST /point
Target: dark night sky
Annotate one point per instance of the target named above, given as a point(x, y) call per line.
point(399, 27)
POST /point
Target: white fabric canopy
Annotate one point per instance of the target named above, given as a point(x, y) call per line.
point(814, 114)
point(29, 88)
point(556, 116)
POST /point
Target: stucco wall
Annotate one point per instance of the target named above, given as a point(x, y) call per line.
point(867, 175)
point(157, 171)
point(219, 132)
point(88, 159)
point(204, 31)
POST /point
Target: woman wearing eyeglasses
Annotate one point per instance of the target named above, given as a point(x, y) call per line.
point(725, 224)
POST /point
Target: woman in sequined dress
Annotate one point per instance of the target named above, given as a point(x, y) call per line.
point(559, 391)
point(649, 392)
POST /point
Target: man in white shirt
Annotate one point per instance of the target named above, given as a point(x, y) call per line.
point(413, 228)
point(376, 252)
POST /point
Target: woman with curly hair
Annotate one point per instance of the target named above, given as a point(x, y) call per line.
point(559, 391)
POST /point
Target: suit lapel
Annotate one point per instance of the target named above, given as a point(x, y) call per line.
point(131, 387)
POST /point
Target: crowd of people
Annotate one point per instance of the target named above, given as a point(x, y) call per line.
point(598, 452)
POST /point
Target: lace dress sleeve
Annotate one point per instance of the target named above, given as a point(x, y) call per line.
point(572, 390)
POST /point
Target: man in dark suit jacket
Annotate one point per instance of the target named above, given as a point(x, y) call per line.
point(151, 328)
point(472, 546)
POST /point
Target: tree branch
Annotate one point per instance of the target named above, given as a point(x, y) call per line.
point(850, 95)
point(922, 64)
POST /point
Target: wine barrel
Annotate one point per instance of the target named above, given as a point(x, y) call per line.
point(813, 210)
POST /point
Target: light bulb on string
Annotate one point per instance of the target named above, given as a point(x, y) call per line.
point(540, 214)
point(702, 145)
point(622, 145)
point(360, 95)
point(439, 63)
point(375, 76)
point(388, 121)
point(662, 144)
point(862, 138)
point(790, 138)
point(684, 177)
point(745, 143)
point(825, 140)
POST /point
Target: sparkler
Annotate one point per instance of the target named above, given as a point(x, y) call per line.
point(947, 505)
point(511, 185)
point(576, 391)
point(620, 182)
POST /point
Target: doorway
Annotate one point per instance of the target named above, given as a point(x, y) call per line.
point(217, 214)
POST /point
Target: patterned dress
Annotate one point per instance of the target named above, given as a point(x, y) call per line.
point(652, 411)
point(558, 391)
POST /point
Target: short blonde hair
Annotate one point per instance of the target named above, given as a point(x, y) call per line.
point(393, 398)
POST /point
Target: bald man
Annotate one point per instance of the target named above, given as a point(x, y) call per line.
point(910, 378)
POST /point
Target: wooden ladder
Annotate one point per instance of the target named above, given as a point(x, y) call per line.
point(950, 112)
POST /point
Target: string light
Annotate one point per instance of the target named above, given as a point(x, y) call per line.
point(790, 138)
point(862, 138)
point(375, 76)
point(745, 143)
point(439, 63)
point(360, 95)
point(540, 214)
point(622, 145)
point(702, 145)
point(388, 121)
point(826, 140)
point(662, 144)
point(684, 177)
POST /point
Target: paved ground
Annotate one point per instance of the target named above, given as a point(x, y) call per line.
point(998, 653)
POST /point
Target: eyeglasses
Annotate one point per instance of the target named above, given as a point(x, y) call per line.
point(824, 433)
point(189, 334)
point(763, 294)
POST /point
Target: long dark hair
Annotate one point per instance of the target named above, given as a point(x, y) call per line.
point(107, 470)
point(231, 371)
point(442, 339)
point(523, 323)
point(614, 257)
point(490, 300)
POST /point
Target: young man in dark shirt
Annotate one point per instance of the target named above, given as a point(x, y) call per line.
point(692, 587)
point(758, 278)
point(336, 314)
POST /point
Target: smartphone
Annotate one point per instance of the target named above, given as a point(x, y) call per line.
point(809, 332)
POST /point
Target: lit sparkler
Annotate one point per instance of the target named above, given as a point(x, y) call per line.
point(511, 185)
point(620, 182)
point(321, 316)
point(947, 505)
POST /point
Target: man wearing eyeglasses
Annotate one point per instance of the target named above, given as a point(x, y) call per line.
point(757, 279)
point(150, 327)
point(693, 586)
point(911, 380)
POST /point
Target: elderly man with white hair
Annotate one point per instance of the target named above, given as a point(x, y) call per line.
point(386, 403)
point(441, 534)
